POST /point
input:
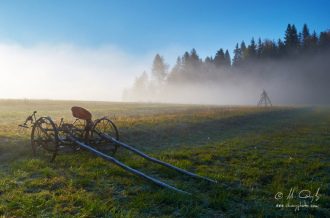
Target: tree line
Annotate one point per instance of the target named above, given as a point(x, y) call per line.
point(191, 69)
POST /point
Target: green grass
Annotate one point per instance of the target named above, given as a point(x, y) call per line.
point(256, 152)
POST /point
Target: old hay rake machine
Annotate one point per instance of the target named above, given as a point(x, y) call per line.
point(47, 139)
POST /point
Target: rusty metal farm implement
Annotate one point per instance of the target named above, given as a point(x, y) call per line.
point(96, 136)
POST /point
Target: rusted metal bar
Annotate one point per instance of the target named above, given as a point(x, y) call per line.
point(154, 160)
point(111, 159)
point(46, 132)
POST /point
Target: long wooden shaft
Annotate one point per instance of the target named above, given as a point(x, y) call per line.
point(154, 160)
point(111, 159)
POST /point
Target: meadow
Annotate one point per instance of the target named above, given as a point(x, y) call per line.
point(267, 161)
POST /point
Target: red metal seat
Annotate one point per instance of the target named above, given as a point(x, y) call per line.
point(81, 113)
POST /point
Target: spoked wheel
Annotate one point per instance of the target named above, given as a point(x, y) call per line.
point(107, 127)
point(44, 139)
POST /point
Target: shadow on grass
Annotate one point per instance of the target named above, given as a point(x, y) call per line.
point(174, 137)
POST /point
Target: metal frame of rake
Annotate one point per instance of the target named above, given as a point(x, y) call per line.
point(97, 136)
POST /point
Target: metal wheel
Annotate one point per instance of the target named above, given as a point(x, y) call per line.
point(44, 139)
point(106, 126)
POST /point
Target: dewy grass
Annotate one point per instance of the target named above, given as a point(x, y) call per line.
point(274, 162)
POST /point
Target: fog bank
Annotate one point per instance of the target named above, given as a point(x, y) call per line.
point(300, 81)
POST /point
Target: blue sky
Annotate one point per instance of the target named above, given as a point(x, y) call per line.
point(138, 30)
point(143, 26)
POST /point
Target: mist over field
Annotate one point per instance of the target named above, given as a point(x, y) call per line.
point(301, 81)
point(70, 73)
point(66, 72)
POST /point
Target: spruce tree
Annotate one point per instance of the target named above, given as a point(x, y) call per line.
point(219, 58)
point(237, 57)
point(267, 49)
point(291, 41)
point(243, 48)
point(295, 41)
point(305, 31)
point(159, 72)
point(175, 76)
point(194, 58)
point(288, 36)
point(324, 41)
point(280, 48)
point(306, 39)
point(140, 87)
point(191, 65)
point(208, 60)
point(252, 50)
point(259, 50)
point(314, 43)
point(274, 50)
point(227, 59)
point(196, 73)
point(300, 41)
point(185, 60)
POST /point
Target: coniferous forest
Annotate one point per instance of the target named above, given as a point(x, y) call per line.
point(293, 70)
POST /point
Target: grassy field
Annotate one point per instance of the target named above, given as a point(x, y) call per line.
point(274, 162)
